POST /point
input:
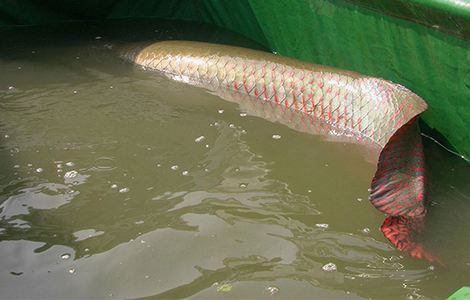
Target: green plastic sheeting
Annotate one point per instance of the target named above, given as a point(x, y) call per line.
point(449, 16)
point(462, 294)
point(434, 65)
point(422, 44)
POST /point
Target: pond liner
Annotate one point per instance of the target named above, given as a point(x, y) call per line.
point(337, 104)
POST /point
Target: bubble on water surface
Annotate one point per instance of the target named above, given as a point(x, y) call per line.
point(324, 226)
point(366, 230)
point(65, 256)
point(158, 165)
point(329, 267)
point(207, 146)
point(124, 190)
point(272, 290)
point(200, 139)
point(243, 185)
point(224, 288)
point(98, 37)
point(185, 173)
point(39, 170)
point(16, 166)
point(72, 271)
point(220, 111)
point(11, 88)
point(139, 222)
point(242, 114)
point(113, 186)
point(174, 167)
point(70, 164)
point(231, 125)
point(70, 174)
point(75, 92)
point(276, 137)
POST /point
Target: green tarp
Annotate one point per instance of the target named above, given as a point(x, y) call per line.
point(422, 44)
point(462, 294)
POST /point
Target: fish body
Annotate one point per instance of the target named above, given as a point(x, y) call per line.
point(345, 99)
point(352, 107)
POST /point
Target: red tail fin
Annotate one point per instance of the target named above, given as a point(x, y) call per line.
point(402, 231)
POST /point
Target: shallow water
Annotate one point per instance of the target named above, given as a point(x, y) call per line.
point(105, 192)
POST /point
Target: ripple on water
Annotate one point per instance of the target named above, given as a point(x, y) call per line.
point(82, 235)
point(41, 196)
point(104, 164)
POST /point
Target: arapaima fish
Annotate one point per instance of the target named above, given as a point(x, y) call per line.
point(340, 105)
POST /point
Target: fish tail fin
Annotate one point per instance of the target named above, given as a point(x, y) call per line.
point(402, 231)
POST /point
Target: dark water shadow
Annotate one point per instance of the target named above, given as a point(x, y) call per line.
point(449, 205)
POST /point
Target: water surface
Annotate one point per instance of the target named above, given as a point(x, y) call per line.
point(115, 182)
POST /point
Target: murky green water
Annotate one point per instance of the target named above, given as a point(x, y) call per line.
point(105, 192)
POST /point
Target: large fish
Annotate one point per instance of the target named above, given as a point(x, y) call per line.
point(338, 104)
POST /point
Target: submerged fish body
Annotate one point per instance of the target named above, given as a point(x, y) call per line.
point(335, 103)
point(345, 99)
